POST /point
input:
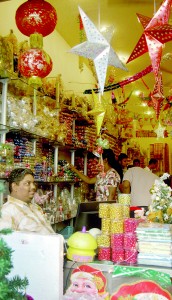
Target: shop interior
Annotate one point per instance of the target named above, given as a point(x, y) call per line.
point(106, 78)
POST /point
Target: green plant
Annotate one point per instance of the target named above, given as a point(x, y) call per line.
point(10, 288)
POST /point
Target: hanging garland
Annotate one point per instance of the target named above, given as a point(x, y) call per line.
point(114, 86)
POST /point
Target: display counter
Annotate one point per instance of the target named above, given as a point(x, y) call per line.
point(129, 274)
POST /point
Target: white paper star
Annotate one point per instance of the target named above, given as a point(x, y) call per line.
point(160, 131)
point(98, 49)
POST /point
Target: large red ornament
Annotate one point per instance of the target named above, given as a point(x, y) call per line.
point(35, 62)
point(36, 16)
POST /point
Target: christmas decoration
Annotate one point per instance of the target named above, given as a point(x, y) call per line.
point(98, 111)
point(161, 208)
point(92, 283)
point(98, 49)
point(101, 144)
point(10, 288)
point(35, 62)
point(36, 16)
point(160, 131)
point(157, 32)
point(82, 36)
point(145, 289)
point(137, 76)
point(157, 96)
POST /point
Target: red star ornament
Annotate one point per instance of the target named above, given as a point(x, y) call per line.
point(156, 33)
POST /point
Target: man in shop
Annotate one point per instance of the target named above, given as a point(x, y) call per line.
point(138, 183)
point(152, 166)
point(136, 162)
point(19, 213)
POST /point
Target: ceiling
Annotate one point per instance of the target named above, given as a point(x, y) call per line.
point(121, 14)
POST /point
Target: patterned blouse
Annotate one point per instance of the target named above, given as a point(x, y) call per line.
point(20, 216)
point(104, 181)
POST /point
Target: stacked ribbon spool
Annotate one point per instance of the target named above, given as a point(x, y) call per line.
point(117, 241)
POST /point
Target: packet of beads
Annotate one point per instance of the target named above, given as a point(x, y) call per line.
point(116, 211)
point(126, 211)
point(124, 199)
point(104, 253)
point(103, 240)
point(117, 226)
point(104, 210)
point(118, 255)
point(117, 240)
point(130, 224)
point(105, 225)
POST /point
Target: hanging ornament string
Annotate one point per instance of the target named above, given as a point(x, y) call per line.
point(99, 15)
point(145, 84)
point(114, 86)
point(123, 93)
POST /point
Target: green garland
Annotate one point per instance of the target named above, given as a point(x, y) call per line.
point(10, 288)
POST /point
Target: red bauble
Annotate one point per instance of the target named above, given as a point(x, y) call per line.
point(36, 16)
point(35, 62)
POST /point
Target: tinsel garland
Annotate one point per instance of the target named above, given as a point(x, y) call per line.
point(120, 84)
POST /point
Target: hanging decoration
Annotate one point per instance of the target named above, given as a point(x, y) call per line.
point(97, 48)
point(35, 63)
point(36, 16)
point(129, 80)
point(36, 19)
point(157, 32)
point(123, 103)
point(157, 96)
point(81, 38)
point(160, 131)
point(98, 111)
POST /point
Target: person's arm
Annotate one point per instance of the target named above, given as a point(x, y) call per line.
point(112, 193)
point(83, 177)
point(126, 188)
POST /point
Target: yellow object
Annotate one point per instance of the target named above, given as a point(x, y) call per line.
point(81, 246)
point(155, 216)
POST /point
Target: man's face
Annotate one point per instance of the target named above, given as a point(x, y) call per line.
point(25, 189)
point(155, 166)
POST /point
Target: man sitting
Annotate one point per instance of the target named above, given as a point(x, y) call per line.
point(19, 213)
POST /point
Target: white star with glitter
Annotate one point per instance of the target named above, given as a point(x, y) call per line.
point(98, 49)
point(160, 131)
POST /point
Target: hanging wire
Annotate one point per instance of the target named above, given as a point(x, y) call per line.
point(154, 7)
point(99, 15)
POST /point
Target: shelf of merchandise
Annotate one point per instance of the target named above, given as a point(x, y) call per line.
point(4, 129)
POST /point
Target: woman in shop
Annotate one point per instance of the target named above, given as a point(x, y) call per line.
point(106, 182)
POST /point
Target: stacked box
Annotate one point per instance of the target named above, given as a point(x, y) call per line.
point(155, 244)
